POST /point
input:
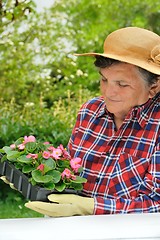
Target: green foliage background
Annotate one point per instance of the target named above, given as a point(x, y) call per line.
point(42, 84)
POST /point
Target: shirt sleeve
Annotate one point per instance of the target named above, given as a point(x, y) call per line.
point(148, 194)
point(80, 117)
point(71, 140)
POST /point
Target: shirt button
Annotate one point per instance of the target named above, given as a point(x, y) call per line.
point(97, 179)
point(107, 154)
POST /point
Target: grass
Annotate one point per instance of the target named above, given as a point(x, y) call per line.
point(12, 204)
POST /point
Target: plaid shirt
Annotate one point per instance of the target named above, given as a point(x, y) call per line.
point(122, 167)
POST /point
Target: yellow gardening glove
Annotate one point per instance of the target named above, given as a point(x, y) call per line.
point(63, 205)
point(4, 179)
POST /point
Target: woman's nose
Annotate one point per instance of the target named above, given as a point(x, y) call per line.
point(110, 90)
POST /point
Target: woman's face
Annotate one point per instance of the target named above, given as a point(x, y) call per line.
point(123, 87)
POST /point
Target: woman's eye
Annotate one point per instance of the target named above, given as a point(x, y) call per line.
point(122, 85)
point(104, 79)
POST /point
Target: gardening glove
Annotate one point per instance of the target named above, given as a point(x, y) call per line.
point(4, 179)
point(63, 205)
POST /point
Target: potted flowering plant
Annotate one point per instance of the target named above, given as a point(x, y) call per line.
point(38, 168)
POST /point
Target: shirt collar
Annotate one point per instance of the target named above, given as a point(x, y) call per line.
point(102, 110)
point(142, 113)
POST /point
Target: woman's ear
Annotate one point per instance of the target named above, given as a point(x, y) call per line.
point(155, 88)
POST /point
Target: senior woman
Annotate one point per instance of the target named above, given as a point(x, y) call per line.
point(117, 135)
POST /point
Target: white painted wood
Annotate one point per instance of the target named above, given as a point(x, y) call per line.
point(127, 226)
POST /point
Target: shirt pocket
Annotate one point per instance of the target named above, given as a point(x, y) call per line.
point(127, 176)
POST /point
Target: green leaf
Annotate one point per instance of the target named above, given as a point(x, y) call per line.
point(9, 16)
point(77, 186)
point(2, 150)
point(60, 187)
point(49, 164)
point(32, 181)
point(31, 146)
point(19, 141)
point(56, 175)
point(40, 178)
point(79, 180)
point(49, 185)
point(63, 163)
point(41, 146)
point(3, 158)
point(7, 149)
point(80, 169)
point(13, 155)
point(27, 168)
point(24, 159)
point(18, 165)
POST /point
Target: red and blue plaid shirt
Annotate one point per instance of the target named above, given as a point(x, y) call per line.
point(122, 167)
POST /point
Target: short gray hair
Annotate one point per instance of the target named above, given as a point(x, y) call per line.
point(103, 62)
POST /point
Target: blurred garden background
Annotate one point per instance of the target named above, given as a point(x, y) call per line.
point(42, 84)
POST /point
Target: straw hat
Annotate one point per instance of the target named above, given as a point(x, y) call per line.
point(133, 45)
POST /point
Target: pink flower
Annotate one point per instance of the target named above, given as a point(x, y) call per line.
point(13, 146)
point(32, 155)
point(29, 139)
point(76, 163)
point(64, 152)
point(46, 154)
point(73, 177)
point(51, 148)
point(41, 167)
point(66, 173)
point(46, 143)
point(21, 146)
point(57, 152)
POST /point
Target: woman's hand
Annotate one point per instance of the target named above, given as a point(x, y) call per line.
point(63, 205)
point(4, 179)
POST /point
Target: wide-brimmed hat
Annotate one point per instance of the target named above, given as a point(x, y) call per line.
point(133, 45)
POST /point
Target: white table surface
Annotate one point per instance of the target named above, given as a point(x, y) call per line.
point(100, 227)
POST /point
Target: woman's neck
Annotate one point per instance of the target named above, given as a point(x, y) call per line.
point(118, 121)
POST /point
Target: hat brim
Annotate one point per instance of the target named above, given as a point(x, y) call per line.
point(148, 65)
